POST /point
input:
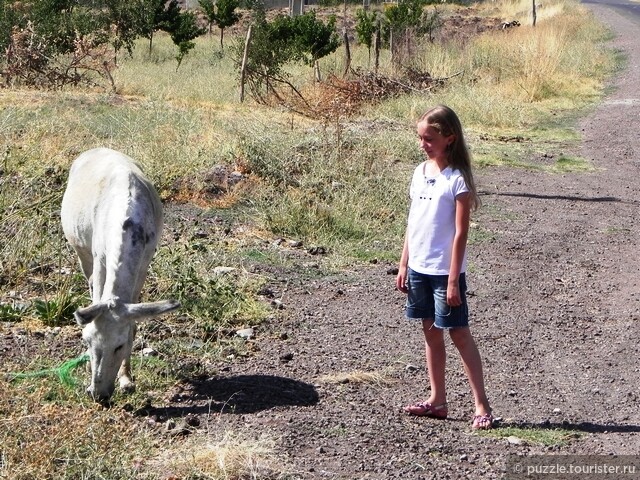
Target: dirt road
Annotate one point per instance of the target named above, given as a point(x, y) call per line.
point(555, 307)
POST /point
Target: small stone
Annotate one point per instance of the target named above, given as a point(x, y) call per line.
point(192, 421)
point(514, 440)
point(223, 270)
point(235, 178)
point(286, 357)
point(246, 333)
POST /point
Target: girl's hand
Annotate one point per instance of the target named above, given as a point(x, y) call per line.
point(453, 295)
point(401, 280)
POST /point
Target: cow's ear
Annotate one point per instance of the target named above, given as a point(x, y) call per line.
point(88, 314)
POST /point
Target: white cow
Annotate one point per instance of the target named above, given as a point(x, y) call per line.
point(112, 216)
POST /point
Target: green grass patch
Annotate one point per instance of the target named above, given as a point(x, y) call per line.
point(479, 234)
point(565, 164)
point(616, 231)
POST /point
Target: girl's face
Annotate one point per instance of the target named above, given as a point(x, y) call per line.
point(433, 142)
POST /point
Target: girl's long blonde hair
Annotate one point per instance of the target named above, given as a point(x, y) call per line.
point(445, 121)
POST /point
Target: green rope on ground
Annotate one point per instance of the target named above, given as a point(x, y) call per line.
point(63, 371)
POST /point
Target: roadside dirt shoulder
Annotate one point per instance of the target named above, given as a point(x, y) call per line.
point(555, 306)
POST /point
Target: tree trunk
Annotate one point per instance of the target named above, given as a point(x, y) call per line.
point(376, 47)
point(347, 52)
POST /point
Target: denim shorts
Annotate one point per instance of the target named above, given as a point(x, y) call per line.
point(427, 299)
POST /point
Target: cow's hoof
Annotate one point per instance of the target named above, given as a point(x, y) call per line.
point(127, 386)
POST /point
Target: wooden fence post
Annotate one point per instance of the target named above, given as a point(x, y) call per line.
point(244, 63)
point(534, 12)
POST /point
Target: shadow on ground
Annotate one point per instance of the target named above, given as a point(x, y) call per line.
point(587, 427)
point(242, 394)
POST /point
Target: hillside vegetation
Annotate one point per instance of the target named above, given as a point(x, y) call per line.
point(272, 185)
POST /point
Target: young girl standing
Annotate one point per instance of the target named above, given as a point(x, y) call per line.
point(433, 262)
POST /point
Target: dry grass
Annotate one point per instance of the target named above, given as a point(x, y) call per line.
point(226, 455)
point(544, 62)
point(358, 376)
point(46, 432)
point(203, 78)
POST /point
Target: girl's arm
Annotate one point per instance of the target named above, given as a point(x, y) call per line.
point(401, 278)
point(463, 214)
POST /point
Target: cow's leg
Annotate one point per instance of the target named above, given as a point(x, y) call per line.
point(86, 263)
point(125, 379)
point(98, 278)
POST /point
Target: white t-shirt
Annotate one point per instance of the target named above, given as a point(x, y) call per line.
point(432, 220)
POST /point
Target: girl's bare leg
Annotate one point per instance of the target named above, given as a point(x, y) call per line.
point(464, 342)
point(436, 361)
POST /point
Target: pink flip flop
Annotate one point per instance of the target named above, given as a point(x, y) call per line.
point(483, 422)
point(425, 409)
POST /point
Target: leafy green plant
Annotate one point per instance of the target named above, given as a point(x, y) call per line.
point(12, 313)
point(366, 25)
point(215, 302)
point(314, 39)
point(220, 12)
point(406, 22)
point(157, 15)
point(285, 39)
point(54, 39)
point(208, 8)
point(57, 311)
point(124, 16)
point(183, 31)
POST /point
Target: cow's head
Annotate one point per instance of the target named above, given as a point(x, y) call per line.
point(109, 329)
